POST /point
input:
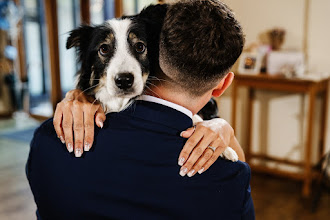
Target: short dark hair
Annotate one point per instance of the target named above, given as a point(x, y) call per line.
point(200, 41)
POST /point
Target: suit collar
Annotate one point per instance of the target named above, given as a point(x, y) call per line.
point(175, 106)
point(159, 113)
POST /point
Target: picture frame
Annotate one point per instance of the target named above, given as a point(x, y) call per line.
point(249, 63)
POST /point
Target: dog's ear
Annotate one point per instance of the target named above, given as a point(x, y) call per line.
point(153, 16)
point(154, 13)
point(80, 37)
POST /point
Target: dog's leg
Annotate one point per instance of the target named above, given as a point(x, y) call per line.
point(228, 153)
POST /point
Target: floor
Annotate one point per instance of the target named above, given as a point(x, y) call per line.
point(16, 201)
point(277, 198)
point(274, 198)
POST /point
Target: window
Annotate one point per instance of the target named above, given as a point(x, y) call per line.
point(36, 58)
point(68, 18)
point(132, 7)
point(101, 10)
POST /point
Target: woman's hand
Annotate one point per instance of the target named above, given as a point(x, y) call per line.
point(74, 121)
point(196, 156)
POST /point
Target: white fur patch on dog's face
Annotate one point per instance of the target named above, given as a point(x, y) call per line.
point(122, 61)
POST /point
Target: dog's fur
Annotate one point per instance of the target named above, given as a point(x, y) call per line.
point(119, 47)
point(113, 49)
point(106, 51)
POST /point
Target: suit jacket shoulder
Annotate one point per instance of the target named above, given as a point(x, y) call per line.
point(132, 170)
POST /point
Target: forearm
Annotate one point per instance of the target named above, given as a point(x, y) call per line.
point(237, 148)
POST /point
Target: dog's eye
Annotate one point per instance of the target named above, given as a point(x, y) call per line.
point(104, 50)
point(140, 47)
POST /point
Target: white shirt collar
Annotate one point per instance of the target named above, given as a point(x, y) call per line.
point(177, 107)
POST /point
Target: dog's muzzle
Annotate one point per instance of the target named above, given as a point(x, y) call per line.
point(124, 81)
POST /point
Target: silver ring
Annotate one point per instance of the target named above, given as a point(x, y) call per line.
point(212, 148)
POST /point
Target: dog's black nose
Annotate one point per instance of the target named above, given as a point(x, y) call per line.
point(124, 80)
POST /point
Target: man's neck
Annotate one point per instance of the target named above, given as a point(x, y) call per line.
point(180, 98)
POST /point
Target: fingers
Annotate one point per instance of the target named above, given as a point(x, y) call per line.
point(211, 161)
point(89, 130)
point(67, 126)
point(187, 133)
point(189, 146)
point(89, 112)
point(199, 166)
point(78, 128)
point(100, 117)
point(57, 121)
point(195, 155)
point(74, 121)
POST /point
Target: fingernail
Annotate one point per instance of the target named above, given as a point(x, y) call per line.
point(70, 147)
point(201, 171)
point(181, 161)
point(87, 147)
point(62, 140)
point(191, 173)
point(181, 133)
point(183, 171)
point(78, 152)
point(101, 124)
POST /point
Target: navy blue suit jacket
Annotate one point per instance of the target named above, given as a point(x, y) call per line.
point(132, 173)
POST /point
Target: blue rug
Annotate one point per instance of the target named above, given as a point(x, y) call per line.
point(22, 135)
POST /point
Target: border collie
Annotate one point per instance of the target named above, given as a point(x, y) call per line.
point(114, 63)
point(115, 59)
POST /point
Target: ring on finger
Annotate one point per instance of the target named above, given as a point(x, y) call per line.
point(212, 148)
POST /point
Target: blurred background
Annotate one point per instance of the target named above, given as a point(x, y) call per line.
point(278, 104)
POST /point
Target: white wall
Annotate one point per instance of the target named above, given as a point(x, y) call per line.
point(319, 35)
point(258, 16)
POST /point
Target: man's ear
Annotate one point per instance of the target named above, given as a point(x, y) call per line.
point(223, 85)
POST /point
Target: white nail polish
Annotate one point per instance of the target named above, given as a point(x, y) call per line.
point(181, 133)
point(87, 147)
point(201, 171)
point(62, 140)
point(78, 153)
point(101, 124)
point(181, 161)
point(183, 171)
point(191, 173)
point(70, 147)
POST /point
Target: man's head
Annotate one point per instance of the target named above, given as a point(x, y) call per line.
point(199, 43)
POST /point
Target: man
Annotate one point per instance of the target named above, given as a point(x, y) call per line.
point(132, 171)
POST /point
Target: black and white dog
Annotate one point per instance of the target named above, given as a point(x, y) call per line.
point(117, 57)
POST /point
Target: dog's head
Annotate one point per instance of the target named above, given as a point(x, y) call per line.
point(114, 56)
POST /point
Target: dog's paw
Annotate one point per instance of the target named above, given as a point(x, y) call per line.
point(196, 118)
point(229, 154)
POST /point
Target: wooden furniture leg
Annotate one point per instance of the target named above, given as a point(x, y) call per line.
point(249, 129)
point(85, 14)
point(324, 119)
point(233, 105)
point(307, 169)
point(54, 57)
